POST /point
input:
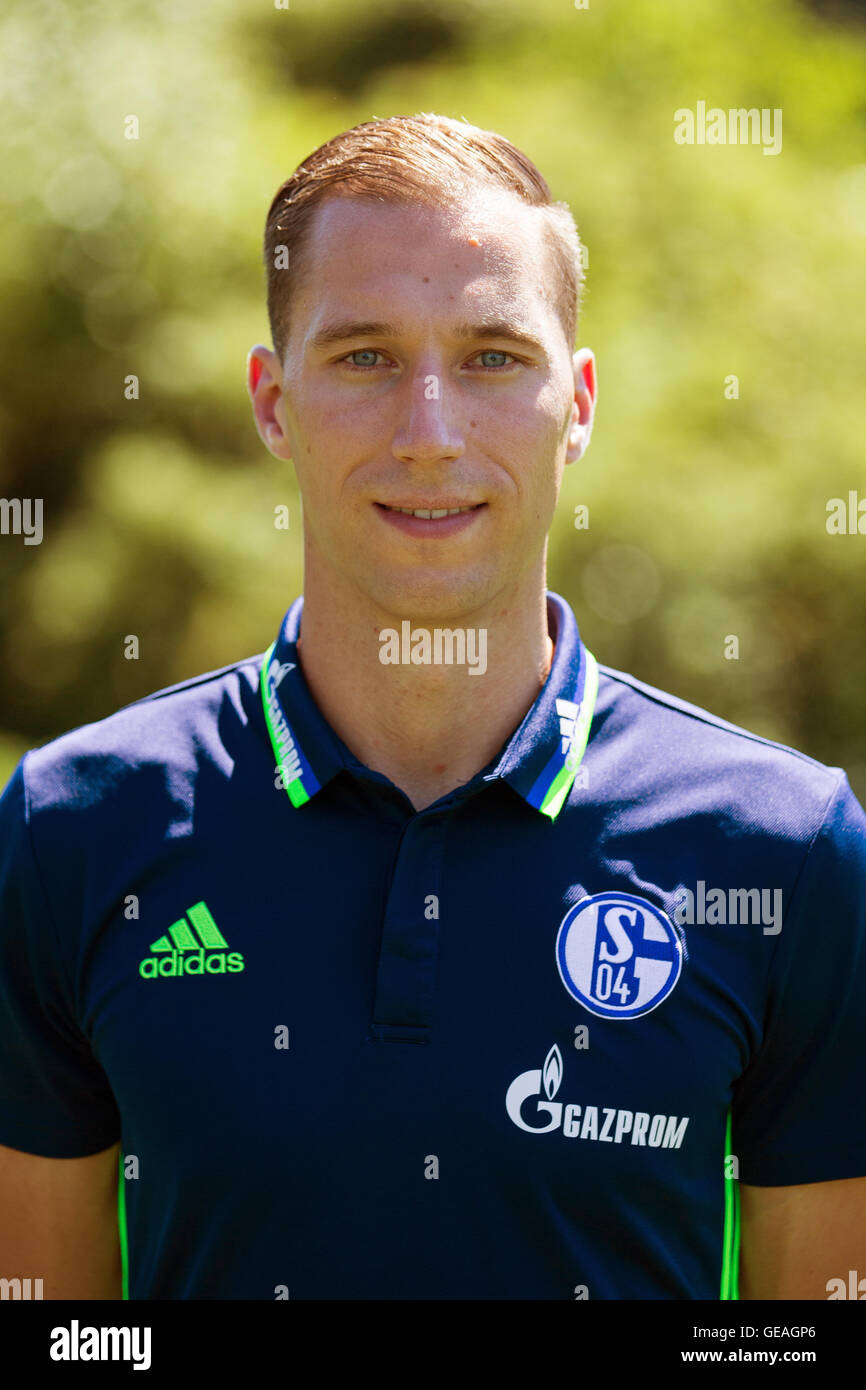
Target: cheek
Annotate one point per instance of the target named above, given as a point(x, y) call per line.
point(324, 435)
point(543, 428)
point(329, 419)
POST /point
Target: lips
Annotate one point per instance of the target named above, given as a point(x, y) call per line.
point(433, 512)
point(431, 522)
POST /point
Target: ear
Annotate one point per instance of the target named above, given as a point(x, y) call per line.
point(583, 408)
point(265, 388)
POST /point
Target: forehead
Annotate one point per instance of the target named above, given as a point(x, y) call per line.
point(487, 246)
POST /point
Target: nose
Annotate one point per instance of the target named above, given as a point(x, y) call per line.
point(428, 430)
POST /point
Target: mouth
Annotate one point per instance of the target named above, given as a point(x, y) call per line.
point(431, 513)
point(432, 521)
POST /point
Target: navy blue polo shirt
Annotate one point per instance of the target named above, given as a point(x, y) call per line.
point(521, 1044)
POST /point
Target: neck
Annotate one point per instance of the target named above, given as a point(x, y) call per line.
point(427, 725)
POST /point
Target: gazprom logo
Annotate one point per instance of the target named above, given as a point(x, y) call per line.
point(531, 1083)
point(530, 1099)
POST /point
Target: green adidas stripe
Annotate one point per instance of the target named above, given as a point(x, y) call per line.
point(181, 937)
point(211, 936)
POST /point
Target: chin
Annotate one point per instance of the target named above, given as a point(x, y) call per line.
point(430, 597)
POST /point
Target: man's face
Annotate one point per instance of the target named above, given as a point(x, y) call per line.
point(427, 369)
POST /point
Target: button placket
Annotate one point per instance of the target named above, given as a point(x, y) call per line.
point(409, 951)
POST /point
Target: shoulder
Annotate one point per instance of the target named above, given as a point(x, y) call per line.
point(159, 741)
point(689, 763)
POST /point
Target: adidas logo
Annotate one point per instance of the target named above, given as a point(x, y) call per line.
point(278, 673)
point(199, 949)
point(567, 712)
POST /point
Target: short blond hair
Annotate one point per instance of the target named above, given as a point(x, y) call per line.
point(426, 159)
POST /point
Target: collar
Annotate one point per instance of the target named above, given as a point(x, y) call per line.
point(539, 761)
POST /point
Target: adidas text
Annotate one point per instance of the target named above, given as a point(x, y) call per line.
point(191, 963)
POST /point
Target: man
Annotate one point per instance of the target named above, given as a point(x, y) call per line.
point(382, 964)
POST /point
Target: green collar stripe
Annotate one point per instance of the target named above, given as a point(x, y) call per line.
point(561, 784)
point(285, 749)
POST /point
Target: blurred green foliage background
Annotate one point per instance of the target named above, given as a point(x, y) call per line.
point(707, 515)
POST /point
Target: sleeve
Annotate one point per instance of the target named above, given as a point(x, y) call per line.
point(799, 1109)
point(54, 1097)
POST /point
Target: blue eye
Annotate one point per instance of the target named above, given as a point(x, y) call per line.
point(370, 354)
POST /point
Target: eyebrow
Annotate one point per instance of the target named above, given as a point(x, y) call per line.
point(351, 328)
point(346, 329)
